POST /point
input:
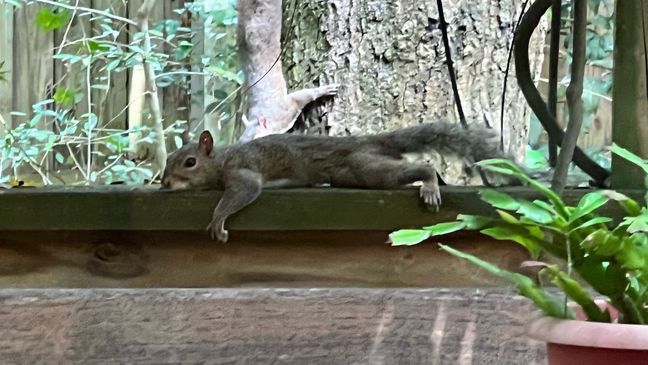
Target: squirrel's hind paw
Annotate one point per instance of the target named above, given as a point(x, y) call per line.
point(431, 195)
point(217, 231)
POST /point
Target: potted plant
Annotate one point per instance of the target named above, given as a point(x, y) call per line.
point(610, 257)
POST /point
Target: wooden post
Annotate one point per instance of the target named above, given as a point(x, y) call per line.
point(630, 106)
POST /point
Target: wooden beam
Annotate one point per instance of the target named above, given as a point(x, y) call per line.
point(261, 326)
point(303, 259)
point(630, 106)
point(138, 208)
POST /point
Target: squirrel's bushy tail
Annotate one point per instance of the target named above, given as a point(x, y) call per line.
point(474, 143)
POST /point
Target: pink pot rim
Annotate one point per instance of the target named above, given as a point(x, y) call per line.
point(589, 334)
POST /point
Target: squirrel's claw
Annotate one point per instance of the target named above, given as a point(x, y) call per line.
point(431, 195)
point(217, 230)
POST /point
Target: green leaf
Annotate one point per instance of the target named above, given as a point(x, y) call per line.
point(475, 221)
point(525, 286)
point(65, 96)
point(59, 157)
point(629, 156)
point(508, 218)
point(588, 204)
point(509, 168)
point(602, 242)
point(498, 199)
point(578, 294)
point(544, 205)
point(638, 223)
point(592, 222)
point(629, 205)
point(48, 20)
point(535, 213)
point(605, 278)
point(520, 236)
point(96, 47)
point(408, 237)
point(631, 256)
point(445, 228)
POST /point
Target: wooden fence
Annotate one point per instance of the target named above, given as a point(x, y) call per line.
point(34, 74)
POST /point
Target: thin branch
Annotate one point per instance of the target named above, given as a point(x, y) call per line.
point(126, 108)
point(453, 79)
point(69, 25)
point(187, 73)
point(574, 93)
point(554, 49)
point(88, 10)
point(529, 22)
point(159, 160)
point(76, 162)
point(89, 132)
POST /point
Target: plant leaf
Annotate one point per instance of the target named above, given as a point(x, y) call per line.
point(408, 237)
point(445, 228)
point(499, 199)
point(525, 286)
point(578, 294)
point(520, 236)
point(588, 204)
point(535, 213)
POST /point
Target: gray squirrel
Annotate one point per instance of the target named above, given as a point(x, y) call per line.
point(290, 160)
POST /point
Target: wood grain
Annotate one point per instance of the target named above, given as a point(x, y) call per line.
point(265, 326)
point(251, 259)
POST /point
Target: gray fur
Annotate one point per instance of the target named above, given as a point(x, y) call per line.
point(303, 160)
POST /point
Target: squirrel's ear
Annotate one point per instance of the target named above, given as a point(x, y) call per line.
point(206, 143)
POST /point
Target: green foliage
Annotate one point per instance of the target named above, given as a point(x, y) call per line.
point(597, 84)
point(49, 20)
point(60, 133)
point(611, 257)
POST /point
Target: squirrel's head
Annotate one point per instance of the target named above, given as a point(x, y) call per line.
point(189, 166)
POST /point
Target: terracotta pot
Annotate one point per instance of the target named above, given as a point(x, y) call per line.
point(573, 342)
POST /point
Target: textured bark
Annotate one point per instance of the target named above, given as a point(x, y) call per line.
point(388, 58)
point(630, 108)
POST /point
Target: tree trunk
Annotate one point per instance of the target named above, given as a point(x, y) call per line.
point(389, 61)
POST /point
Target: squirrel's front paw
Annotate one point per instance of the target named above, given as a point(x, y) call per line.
point(217, 230)
point(431, 195)
point(329, 90)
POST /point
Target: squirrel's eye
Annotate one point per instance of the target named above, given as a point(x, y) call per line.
point(190, 162)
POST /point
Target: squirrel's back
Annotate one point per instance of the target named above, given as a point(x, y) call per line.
point(475, 142)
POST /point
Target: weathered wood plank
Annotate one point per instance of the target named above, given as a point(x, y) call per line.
point(250, 259)
point(140, 208)
point(111, 103)
point(33, 64)
point(307, 326)
point(6, 55)
point(176, 99)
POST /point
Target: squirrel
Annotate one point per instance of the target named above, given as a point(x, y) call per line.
point(289, 160)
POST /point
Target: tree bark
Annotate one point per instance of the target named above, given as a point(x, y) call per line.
point(271, 109)
point(630, 90)
point(389, 60)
